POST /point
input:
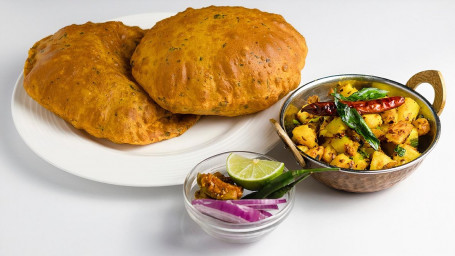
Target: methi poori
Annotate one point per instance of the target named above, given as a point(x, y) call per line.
point(82, 74)
point(226, 61)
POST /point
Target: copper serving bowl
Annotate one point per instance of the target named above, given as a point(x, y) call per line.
point(356, 180)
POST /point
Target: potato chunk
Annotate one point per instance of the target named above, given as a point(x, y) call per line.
point(345, 145)
point(304, 135)
point(303, 116)
point(390, 116)
point(379, 133)
point(360, 162)
point(380, 160)
point(313, 99)
point(329, 154)
point(335, 127)
point(372, 120)
point(302, 148)
point(346, 89)
point(409, 110)
point(413, 138)
point(397, 133)
point(410, 153)
point(422, 125)
point(325, 121)
point(342, 161)
point(316, 152)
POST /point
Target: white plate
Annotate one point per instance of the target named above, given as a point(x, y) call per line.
point(160, 164)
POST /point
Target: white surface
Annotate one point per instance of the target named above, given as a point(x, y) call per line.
point(44, 211)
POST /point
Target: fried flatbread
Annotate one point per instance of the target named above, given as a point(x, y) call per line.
point(82, 74)
point(219, 61)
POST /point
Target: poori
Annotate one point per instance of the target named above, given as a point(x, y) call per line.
point(82, 74)
point(226, 61)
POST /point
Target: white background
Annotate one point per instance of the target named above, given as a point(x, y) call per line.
point(45, 211)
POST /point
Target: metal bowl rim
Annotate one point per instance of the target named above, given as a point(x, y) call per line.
point(331, 78)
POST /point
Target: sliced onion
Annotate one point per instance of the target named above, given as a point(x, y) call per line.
point(251, 202)
point(263, 207)
point(228, 211)
point(266, 213)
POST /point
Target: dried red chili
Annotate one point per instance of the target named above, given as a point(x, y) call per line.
point(363, 107)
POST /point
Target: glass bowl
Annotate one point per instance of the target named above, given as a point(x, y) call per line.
point(232, 232)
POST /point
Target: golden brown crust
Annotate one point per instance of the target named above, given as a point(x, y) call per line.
point(82, 74)
point(219, 61)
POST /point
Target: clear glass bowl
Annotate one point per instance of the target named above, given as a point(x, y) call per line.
point(232, 232)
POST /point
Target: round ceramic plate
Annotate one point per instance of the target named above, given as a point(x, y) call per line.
point(160, 164)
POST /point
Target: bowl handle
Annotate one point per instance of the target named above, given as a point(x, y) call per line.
point(434, 78)
point(285, 138)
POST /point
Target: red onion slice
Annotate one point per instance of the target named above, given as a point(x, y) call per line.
point(228, 211)
point(251, 202)
point(266, 213)
point(263, 207)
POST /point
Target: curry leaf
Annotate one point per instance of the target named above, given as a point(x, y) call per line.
point(354, 120)
point(400, 151)
point(415, 142)
point(367, 94)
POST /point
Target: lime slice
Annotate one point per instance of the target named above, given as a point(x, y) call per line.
point(252, 174)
